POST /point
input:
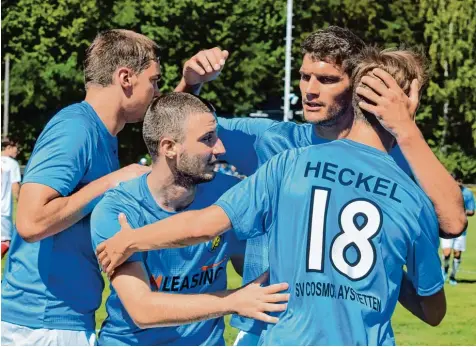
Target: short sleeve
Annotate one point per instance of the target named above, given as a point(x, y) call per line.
point(15, 174)
point(468, 199)
point(105, 222)
point(61, 156)
point(249, 204)
point(239, 136)
point(424, 267)
point(399, 158)
point(236, 246)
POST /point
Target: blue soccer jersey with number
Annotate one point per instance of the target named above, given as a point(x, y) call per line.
point(342, 220)
point(249, 144)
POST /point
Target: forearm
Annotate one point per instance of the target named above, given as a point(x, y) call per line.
point(162, 309)
point(409, 298)
point(435, 181)
point(59, 213)
point(185, 88)
point(181, 230)
point(16, 191)
point(430, 309)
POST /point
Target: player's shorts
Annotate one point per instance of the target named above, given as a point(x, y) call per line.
point(246, 339)
point(7, 228)
point(458, 243)
point(18, 335)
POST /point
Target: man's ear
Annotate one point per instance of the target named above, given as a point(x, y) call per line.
point(168, 147)
point(123, 76)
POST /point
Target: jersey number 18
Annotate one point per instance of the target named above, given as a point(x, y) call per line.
point(351, 234)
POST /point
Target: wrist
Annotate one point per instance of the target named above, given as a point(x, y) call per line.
point(184, 87)
point(408, 135)
point(229, 302)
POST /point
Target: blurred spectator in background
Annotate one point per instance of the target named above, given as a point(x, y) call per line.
point(228, 169)
point(11, 178)
point(458, 244)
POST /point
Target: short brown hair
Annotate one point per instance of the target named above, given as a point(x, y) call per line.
point(114, 48)
point(334, 45)
point(6, 142)
point(166, 116)
point(403, 65)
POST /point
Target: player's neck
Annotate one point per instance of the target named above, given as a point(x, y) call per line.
point(168, 194)
point(107, 106)
point(369, 135)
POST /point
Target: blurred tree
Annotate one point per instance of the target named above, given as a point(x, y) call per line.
point(46, 42)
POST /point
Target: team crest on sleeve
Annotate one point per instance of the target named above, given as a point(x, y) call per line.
point(215, 243)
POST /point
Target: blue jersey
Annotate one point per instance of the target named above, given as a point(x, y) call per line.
point(249, 144)
point(342, 220)
point(468, 199)
point(191, 270)
point(56, 283)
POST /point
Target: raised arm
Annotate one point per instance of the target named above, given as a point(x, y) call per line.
point(395, 111)
point(150, 309)
point(203, 67)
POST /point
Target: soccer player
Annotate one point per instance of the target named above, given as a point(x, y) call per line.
point(458, 245)
point(53, 285)
point(326, 99)
point(11, 178)
point(342, 220)
point(156, 291)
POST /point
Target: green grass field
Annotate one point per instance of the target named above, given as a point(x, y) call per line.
point(456, 329)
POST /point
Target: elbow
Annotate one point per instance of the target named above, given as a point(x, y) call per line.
point(455, 227)
point(28, 231)
point(437, 318)
point(202, 233)
point(141, 321)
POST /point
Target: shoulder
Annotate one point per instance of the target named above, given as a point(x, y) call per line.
point(126, 196)
point(253, 126)
point(220, 184)
point(75, 119)
point(10, 162)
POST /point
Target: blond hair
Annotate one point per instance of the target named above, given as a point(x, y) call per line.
point(116, 48)
point(403, 65)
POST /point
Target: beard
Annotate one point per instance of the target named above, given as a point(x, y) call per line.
point(191, 171)
point(336, 111)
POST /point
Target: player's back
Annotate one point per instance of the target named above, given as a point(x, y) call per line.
point(345, 222)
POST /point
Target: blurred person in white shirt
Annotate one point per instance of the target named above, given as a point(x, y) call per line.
point(11, 178)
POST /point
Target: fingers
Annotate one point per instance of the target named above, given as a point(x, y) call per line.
point(274, 307)
point(101, 255)
point(263, 278)
point(376, 84)
point(224, 56)
point(278, 298)
point(414, 97)
point(266, 318)
point(123, 221)
point(369, 94)
point(276, 288)
point(209, 60)
point(386, 78)
point(100, 248)
point(193, 64)
point(110, 269)
point(369, 108)
point(105, 263)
